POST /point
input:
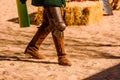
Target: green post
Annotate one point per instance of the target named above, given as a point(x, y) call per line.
point(24, 19)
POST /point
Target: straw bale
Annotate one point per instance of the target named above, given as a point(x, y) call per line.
point(78, 13)
point(83, 13)
point(39, 16)
point(115, 4)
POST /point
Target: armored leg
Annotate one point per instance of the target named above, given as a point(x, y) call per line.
point(33, 47)
point(58, 36)
point(62, 56)
point(56, 18)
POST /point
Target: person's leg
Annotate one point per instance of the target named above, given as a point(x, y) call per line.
point(58, 35)
point(33, 47)
point(62, 56)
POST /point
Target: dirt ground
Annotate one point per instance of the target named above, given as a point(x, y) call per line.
point(94, 50)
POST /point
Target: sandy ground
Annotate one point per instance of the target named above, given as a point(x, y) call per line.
point(94, 50)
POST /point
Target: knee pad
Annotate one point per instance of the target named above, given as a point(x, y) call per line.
point(60, 26)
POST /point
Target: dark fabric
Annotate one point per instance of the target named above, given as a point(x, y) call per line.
point(57, 3)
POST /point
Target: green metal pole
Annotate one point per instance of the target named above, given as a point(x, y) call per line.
point(24, 19)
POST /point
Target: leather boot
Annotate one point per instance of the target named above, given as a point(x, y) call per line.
point(58, 36)
point(62, 56)
point(33, 47)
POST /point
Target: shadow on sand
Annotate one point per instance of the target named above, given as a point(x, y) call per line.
point(112, 73)
point(24, 59)
point(32, 15)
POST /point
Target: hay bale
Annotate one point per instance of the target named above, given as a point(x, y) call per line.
point(78, 13)
point(115, 4)
point(39, 16)
point(83, 13)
